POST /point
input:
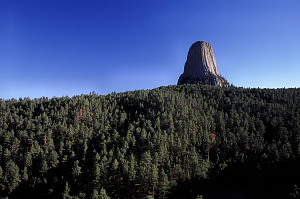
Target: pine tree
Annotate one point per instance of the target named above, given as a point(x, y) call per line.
point(25, 174)
point(95, 194)
point(53, 158)
point(11, 176)
point(66, 193)
point(103, 194)
point(76, 170)
point(96, 171)
point(132, 168)
point(163, 184)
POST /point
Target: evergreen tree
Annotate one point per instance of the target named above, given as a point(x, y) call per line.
point(103, 194)
point(66, 193)
point(11, 176)
point(163, 184)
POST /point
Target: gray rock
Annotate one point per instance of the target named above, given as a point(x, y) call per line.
point(201, 67)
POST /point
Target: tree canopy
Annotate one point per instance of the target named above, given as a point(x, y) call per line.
point(144, 144)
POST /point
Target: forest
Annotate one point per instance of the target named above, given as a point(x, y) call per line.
point(187, 141)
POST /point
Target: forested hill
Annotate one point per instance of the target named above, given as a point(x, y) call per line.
point(175, 142)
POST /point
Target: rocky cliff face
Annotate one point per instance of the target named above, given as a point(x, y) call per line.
point(201, 66)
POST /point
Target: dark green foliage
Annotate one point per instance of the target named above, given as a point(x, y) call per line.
point(143, 144)
point(11, 177)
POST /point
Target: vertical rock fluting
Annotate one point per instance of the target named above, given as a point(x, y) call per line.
point(201, 66)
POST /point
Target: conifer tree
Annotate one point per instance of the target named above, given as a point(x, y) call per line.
point(11, 176)
point(103, 194)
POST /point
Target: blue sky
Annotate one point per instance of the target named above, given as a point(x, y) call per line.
point(72, 47)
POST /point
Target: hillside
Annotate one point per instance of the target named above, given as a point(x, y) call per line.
point(169, 142)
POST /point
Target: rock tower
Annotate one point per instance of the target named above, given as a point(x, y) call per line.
point(201, 67)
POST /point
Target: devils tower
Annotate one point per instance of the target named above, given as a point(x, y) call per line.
point(201, 67)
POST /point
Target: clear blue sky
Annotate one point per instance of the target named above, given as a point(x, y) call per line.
point(72, 47)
